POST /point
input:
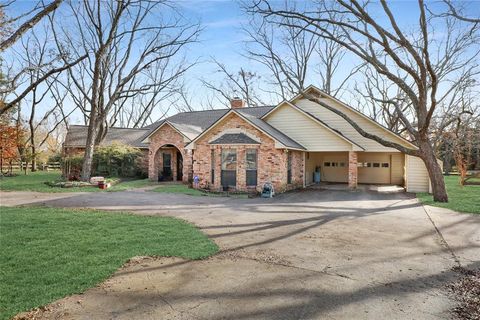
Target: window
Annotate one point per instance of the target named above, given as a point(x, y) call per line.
point(251, 167)
point(359, 164)
point(326, 164)
point(342, 164)
point(212, 166)
point(289, 168)
point(229, 168)
point(229, 159)
point(385, 165)
point(368, 164)
point(376, 165)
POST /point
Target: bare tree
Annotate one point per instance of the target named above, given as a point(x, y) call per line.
point(243, 84)
point(382, 101)
point(455, 127)
point(136, 110)
point(458, 13)
point(418, 63)
point(40, 11)
point(281, 51)
point(13, 92)
point(303, 56)
point(123, 41)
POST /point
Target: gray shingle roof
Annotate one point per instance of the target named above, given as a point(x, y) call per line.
point(190, 124)
point(234, 138)
point(77, 136)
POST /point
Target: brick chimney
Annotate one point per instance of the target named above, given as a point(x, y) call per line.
point(237, 102)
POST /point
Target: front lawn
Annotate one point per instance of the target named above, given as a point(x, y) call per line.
point(461, 199)
point(49, 253)
point(184, 189)
point(180, 188)
point(35, 181)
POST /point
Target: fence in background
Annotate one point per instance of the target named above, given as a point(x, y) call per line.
point(17, 166)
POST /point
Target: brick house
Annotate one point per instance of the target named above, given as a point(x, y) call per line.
point(291, 145)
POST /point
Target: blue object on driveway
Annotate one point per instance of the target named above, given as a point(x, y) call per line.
point(316, 177)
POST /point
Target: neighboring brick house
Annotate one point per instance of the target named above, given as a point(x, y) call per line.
point(290, 145)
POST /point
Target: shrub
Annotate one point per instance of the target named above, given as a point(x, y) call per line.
point(72, 167)
point(117, 160)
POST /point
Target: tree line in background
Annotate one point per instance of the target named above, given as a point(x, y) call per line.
point(116, 62)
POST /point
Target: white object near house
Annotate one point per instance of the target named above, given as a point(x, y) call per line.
point(96, 180)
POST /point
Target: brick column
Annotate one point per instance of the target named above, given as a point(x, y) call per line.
point(241, 167)
point(174, 164)
point(352, 169)
point(187, 165)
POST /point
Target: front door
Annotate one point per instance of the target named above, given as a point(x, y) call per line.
point(167, 166)
point(229, 168)
point(179, 166)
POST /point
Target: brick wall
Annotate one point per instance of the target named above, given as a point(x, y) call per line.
point(352, 169)
point(271, 163)
point(165, 135)
point(73, 151)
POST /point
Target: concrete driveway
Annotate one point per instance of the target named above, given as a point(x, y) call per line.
point(303, 255)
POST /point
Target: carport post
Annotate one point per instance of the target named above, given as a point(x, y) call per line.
point(352, 169)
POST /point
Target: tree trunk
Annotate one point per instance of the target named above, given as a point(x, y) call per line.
point(89, 148)
point(34, 158)
point(435, 174)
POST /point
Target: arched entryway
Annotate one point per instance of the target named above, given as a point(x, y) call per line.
point(169, 163)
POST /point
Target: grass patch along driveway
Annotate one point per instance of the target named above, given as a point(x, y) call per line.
point(461, 199)
point(49, 253)
point(35, 181)
point(184, 189)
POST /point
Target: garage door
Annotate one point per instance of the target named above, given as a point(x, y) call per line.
point(335, 167)
point(374, 168)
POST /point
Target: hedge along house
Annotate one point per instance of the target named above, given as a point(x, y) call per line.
point(242, 147)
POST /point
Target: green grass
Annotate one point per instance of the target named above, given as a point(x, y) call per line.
point(180, 188)
point(461, 199)
point(48, 253)
point(35, 181)
point(184, 189)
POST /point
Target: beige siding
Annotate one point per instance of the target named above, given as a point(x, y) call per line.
point(306, 131)
point(373, 174)
point(338, 123)
point(416, 175)
point(312, 160)
point(327, 174)
point(398, 168)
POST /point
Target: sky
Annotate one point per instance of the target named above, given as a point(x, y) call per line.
point(223, 39)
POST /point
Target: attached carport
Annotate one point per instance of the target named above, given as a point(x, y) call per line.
point(333, 166)
point(371, 167)
point(381, 168)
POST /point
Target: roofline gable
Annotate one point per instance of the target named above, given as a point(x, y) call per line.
point(233, 111)
point(326, 95)
point(144, 140)
point(319, 122)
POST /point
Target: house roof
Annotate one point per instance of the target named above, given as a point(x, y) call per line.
point(234, 138)
point(77, 136)
point(192, 124)
point(312, 88)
